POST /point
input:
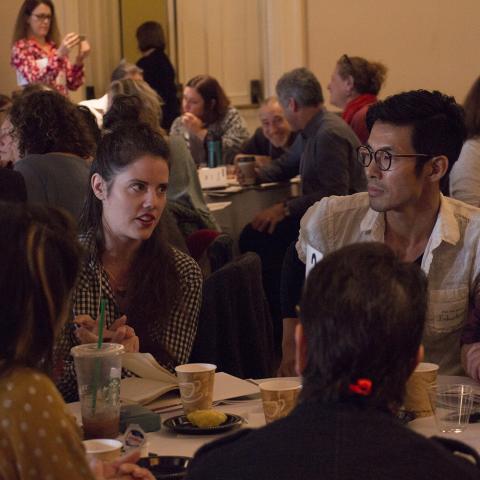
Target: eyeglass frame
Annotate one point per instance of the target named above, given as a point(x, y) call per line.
point(42, 17)
point(390, 156)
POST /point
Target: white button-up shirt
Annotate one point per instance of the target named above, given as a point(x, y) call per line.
point(451, 262)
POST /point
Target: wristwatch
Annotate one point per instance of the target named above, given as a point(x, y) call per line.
point(286, 210)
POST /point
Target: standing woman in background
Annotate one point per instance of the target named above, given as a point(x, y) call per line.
point(158, 71)
point(35, 54)
point(353, 87)
point(206, 109)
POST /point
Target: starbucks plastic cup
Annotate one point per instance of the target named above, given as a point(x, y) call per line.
point(98, 378)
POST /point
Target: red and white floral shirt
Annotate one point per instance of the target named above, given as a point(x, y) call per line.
point(35, 64)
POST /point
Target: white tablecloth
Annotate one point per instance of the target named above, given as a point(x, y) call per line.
point(244, 204)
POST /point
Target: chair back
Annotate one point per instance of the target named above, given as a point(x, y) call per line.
point(235, 328)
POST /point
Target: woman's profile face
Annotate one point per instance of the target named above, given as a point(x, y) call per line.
point(340, 89)
point(193, 102)
point(39, 21)
point(134, 202)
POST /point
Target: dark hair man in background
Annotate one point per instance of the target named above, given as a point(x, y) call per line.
point(323, 154)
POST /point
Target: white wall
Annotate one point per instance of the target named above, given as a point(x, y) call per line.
point(430, 44)
point(424, 43)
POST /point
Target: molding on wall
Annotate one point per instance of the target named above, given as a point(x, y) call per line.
point(283, 26)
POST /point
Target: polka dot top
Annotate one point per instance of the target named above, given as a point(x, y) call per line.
point(38, 436)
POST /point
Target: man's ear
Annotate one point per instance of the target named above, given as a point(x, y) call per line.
point(438, 168)
point(292, 104)
point(99, 186)
point(300, 349)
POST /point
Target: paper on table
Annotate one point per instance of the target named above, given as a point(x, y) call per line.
point(226, 386)
point(213, 207)
point(156, 381)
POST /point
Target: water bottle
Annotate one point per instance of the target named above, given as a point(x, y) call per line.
point(214, 150)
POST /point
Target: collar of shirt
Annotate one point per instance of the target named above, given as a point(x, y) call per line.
point(446, 228)
point(33, 43)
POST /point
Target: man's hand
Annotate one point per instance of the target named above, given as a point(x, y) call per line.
point(471, 360)
point(122, 469)
point(267, 220)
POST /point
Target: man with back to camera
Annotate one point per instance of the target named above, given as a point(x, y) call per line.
point(324, 156)
point(361, 320)
point(415, 137)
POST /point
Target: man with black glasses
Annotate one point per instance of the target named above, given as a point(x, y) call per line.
point(415, 137)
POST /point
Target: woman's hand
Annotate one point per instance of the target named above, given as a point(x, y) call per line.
point(83, 52)
point(71, 40)
point(122, 469)
point(194, 125)
point(118, 332)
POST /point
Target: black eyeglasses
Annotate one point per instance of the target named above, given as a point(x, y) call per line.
point(42, 17)
point(383, 158)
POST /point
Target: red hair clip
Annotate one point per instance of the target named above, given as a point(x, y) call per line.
point(363, 387)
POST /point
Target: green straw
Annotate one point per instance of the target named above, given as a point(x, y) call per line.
point(101, 323)
point(96, 375)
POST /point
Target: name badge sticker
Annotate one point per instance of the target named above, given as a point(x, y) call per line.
point(313, 256)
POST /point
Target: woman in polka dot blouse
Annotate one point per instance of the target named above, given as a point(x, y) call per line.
point(39, 439)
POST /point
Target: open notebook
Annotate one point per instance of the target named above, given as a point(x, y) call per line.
point(155, 382)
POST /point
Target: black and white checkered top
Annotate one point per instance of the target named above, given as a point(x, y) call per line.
point(176, 336)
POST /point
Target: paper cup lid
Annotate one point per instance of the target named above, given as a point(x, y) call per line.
point(102, 445)
point(91, 350)
point(195, 367)
point(280, 385)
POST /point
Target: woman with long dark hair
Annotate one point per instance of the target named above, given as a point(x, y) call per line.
point(37, 53)
point(206, 109)
point(152, 290)
point(40, 259)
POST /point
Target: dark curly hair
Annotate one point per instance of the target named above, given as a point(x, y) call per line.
point(46, 121)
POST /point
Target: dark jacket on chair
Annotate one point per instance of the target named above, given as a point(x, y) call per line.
point(235, 330)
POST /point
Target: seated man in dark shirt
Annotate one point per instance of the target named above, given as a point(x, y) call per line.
point(324, 154)
point(362, 316)
point(274, 136)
